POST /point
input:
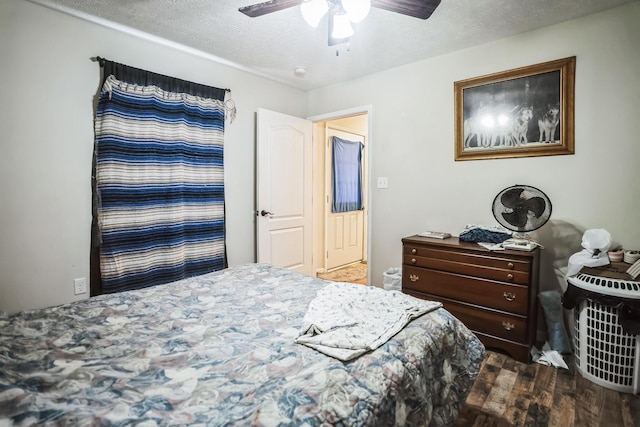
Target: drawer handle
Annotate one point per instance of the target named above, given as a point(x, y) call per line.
point(414, 251)
point(414, 277)
point(510, 276)
point(413, 260)
point(508, 326)
point(509, 296)
point(510, 265)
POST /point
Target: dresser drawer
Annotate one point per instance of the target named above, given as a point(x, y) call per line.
point(488, 293)
point(490, 259)
point(498, 324)
point(506, 270)
point(493, 292)
point(495, 323)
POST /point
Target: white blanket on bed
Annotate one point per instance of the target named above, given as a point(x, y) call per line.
point(346, 320)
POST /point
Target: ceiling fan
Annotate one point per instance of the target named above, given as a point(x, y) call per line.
point(421, 9)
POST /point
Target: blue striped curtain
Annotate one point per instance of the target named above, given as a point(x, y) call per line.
point(159, 185)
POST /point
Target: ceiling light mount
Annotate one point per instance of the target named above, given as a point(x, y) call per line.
point(341, 14)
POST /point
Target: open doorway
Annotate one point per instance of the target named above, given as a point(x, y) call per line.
point(340, 235)
point(290, 207)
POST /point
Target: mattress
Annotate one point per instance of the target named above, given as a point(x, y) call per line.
point(219, 350)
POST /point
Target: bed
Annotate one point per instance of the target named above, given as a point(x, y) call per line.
point(219, 350)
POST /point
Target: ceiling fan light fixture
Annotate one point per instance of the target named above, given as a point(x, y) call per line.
point(313, 11)
point(342, 28)
point(356, 9)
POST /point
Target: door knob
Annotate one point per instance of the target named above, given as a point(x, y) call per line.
point(266, 213)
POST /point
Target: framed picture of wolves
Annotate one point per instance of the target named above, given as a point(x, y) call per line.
point(523, 112)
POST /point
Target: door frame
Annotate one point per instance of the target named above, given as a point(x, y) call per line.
point(340, 114)
point(330, 125)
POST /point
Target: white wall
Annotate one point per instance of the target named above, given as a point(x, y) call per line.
point(413, 142)
point(47, 87)
point(48, 84)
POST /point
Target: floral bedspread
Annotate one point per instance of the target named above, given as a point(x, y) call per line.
point(219, 350)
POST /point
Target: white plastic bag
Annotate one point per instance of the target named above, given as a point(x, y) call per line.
point(596, 242)
point(392, 279)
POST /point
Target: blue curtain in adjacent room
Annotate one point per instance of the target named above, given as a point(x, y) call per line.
point(346, 175)
point(159, 183)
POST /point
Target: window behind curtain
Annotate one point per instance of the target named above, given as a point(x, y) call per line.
point(159, 186)
point(346, 175)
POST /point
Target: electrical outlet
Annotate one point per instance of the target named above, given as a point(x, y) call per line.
point(383, 182)
point(80, 286)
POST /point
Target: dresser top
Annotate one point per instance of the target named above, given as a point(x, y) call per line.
point(455, 243)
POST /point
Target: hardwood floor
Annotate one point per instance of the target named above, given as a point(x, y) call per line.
point(510, 393)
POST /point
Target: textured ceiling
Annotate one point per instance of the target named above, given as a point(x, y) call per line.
point(273, 45)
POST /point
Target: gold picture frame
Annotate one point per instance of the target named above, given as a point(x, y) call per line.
point(524, 112)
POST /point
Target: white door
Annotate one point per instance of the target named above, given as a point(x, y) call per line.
point(344, 230)
point(284, 191)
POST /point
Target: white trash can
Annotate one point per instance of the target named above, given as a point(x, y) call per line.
point(392, 279)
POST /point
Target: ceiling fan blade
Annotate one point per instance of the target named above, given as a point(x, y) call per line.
point(268, 7)
point(417, 8)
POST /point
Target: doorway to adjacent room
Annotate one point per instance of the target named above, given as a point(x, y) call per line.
point(341, 233)
point(295, 225)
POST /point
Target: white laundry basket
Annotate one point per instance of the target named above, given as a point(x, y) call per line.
point(604, 353)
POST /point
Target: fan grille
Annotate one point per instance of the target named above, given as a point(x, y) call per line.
point(521, 208)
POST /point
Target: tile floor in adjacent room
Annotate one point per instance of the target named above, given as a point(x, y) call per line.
point(352, 273)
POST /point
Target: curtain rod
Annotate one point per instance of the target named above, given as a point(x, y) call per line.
point(102, 60)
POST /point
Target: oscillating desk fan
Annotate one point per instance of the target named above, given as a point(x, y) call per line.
point(521, 209)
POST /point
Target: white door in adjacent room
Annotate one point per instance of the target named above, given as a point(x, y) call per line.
point(284, 191)
point(344, 230)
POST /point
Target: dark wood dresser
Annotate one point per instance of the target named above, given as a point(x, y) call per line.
point(494, 293)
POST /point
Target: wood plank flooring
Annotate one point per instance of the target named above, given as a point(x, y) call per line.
point(510, 393)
